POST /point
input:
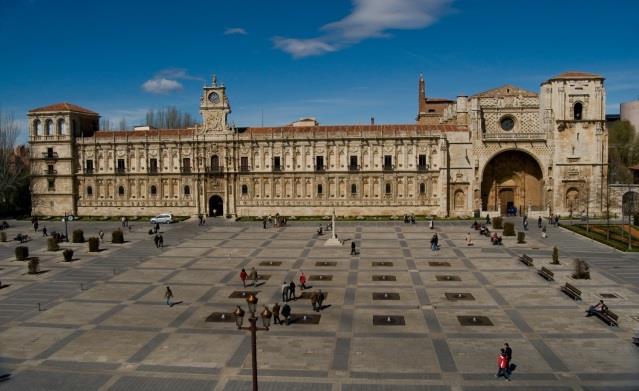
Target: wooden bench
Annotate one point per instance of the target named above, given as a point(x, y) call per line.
point(608, 316)
point(525, 259)
point(571, 291)
point(547, 274)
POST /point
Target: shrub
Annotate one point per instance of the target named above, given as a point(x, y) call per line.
point(22, 253)
point(3, 236)
point(521, 237)
point(117, 236)
point(94, 245)
point(582, 270)
point(33, 266)
point(52, 244)
point(509, 229)
point(555, 256)
point(498, 223)
point(68, 255)
point(78, 236)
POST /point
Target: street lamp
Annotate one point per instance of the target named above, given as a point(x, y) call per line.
point(266, 322)
point(66, 230)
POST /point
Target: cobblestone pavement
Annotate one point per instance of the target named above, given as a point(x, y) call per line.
point(103, 323)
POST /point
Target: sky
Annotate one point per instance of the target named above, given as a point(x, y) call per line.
point(341, 61)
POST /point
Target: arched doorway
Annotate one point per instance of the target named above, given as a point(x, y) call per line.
point(573, 203)
point(512, 180)
point(216, 206)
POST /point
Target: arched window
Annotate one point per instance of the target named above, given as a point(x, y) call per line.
point(48, 128)
point(89, 191)
point(187, 190)
point(62, 126)
point(37, 127)
point(154, 190)
point(422, 188)
point(353, 188)
point(121, 190)
point(244, 190)
point(388, 188)
point(577, 111)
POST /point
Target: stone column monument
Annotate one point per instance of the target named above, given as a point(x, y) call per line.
point(333, 240)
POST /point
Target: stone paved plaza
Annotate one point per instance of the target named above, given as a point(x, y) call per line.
point(103, 323)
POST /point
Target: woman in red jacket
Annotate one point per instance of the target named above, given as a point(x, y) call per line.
point(502, 362)
point(243, 276)
point(302, 281)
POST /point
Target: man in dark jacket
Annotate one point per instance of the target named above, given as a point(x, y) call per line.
point(286, 313)
point(353, 251)
point(291, 291)
point(276, 314)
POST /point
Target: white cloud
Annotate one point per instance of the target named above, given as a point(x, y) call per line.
point(235, 31)
point(299, 48)
point(368, 19)
point(161, 86)
point(166, 81)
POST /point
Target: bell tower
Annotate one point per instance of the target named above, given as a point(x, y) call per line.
point(214, 108)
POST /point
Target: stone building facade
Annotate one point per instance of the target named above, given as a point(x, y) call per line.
point(492, 152)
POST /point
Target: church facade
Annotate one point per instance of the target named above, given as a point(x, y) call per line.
point(499, 151)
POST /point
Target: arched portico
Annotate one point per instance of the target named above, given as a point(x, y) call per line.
point(512, 180)
point(216, 206)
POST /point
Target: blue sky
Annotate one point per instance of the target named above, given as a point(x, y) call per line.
point(340, 61)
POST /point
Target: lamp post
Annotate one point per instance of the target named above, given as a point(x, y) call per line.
point(66, 230)
point(266, 321)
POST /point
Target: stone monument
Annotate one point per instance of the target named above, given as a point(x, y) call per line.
point(333, 240)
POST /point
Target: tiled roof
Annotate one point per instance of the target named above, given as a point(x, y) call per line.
point(506, 90)
point(576, 75)
point(63, 107)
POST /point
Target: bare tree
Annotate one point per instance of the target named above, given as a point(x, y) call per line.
point(169, 118)
point(14, 176)
point(122, 124)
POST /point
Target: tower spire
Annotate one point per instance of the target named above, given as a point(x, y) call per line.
point(421, 96)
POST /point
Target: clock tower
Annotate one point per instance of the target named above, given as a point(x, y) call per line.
point(214, 108)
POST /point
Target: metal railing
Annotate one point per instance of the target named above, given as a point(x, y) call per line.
point(50, 172)
point(278, 169)
point(50, 155)
point(120, 170)
point(422, 167)
point(353, 167)
point(320, 167)
point(245, 168)
point(388, 167)
point(153, 171)
point(215, 170)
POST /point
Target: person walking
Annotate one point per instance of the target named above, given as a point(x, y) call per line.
point(286, 313)
point(35, 226)
point(431, 224)
point(276, 314)
point(502, 364)
point(469, 240)
point(291, 291)
point(122, 219)
point(353, 251)
point(243, 276)
point(285, 292)
point(543, 232)
point(44, 231)
point(156, 240)
point(539, 222)
point(320, 300)
point(169, 296)
point(253, 276)
point(315, 301)
point(101, 235)
point(302, 281)
point(161, 241)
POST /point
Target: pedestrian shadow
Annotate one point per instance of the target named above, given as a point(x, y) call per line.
point(176, 303)
point(36, 273)
point(5, 286)
point(259, 284)
point(325, 307)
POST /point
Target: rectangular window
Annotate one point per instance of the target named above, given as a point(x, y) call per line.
point(120, 169)
point(153, 166)
point(50, 170)
point(421, 162)
point(353, 163)
point(244, 164)
point(50, 152)
point(319, 189)
point(277, 164)
point(319, 163)
point(388, 162)
point(186, 164)
point(51, 184)
point(89, 166)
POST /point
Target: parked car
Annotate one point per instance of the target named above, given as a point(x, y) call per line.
point(165, 218)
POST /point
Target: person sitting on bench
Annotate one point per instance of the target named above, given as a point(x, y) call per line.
point(495, 239)
point(599, 307)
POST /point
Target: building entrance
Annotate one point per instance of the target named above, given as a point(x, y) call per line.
point(216, 206)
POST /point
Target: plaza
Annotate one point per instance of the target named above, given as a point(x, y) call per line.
point(103, 323)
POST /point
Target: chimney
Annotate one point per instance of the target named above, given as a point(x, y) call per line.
point(372, 120)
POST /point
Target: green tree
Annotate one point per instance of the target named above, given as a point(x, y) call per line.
point(623, 151)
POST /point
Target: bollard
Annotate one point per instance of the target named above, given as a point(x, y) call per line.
point(39, 308)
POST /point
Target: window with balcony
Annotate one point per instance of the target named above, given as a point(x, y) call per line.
point(422, 163)
point(153, 166)
point(319, 163)
point(121, 191)
point(388, 163)
point(352, 164)
point(121, 168)
point(88, 166)
point(51, 170)
point(277, 164)
point(244, 190)
point(244, 164)
point(50, 152)
point(577, 111)
point(186, 165)
point(154, 190)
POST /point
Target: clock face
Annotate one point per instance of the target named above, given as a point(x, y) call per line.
point(507, 123)
point(214, 97)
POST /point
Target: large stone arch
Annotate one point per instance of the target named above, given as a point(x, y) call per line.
point(512, 178)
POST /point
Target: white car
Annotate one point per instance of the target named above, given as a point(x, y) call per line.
point(165, 218)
